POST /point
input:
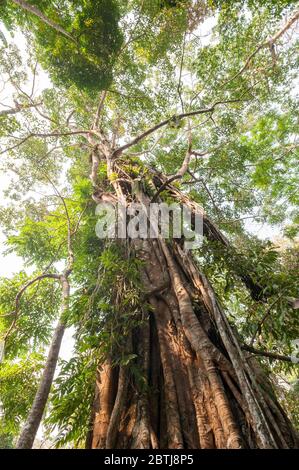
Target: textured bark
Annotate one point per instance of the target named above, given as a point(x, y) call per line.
point(28, 433)
point(202, 390)
point(31, 426)
point(202, 394)
point(105, 394)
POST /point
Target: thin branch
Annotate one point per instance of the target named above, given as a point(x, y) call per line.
point(29, 97)
point(151, 130)
point(268, 43)
point(16, 145)
point(184, 168)
point(149, 150)
point(79, 221)
point(70, 261)
point(48, 118)
point(20, 294)
point(48, 153)
point(34, 79)
point(95, 162)
point(179, 88)
point(131, 37)
point(200, 180)
point(267, 313)
point(54, 257)
point(69, 117)
point(43, 135)
point(60, 277)
point(164, 185)
point(99, 109)
point(197, 153)
point(271, 355)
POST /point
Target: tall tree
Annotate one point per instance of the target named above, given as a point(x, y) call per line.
point(144, 110)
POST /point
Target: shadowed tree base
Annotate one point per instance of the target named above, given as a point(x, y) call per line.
point(199, 390)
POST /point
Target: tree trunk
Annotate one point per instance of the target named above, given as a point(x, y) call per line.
point(199, 389)
point(28, 434)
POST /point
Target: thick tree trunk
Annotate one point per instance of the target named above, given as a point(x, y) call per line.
point(28, 434)
point(201, 392)
point(198, 390)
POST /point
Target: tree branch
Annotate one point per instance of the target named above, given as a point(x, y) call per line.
point(164, 185)
point(99, 109)
point(271, 355)
point(18, 108)
point(179, 87)
point(35, 11)
point(267, 313)
point(151, 130)
point(20, 294)
point(269, 42)
point(43, 135)
point(70, 260)
point(184, 168)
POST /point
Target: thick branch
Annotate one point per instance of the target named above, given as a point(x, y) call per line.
point(153, 129)
point(284, 29)
point(18, 108)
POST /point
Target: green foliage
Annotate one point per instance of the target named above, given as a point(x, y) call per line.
point(18, 384)
point(87, 60)
point(270, 319)
point(105, 325)
point(235, 5)
point(39, 308)
point(8, 124)
point(109, 306)
point(6, 440)
point(72, 399)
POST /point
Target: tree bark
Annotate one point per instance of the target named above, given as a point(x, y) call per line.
point(28, 433)
point(201, 391)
